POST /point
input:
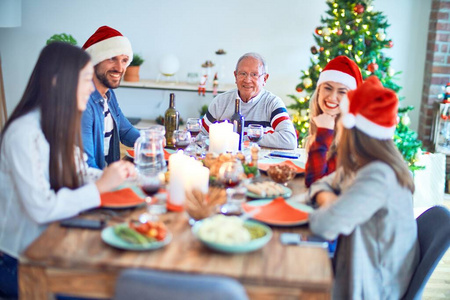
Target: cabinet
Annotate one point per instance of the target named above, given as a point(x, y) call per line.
point(441, 128)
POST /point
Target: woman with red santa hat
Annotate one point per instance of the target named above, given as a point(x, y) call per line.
point(372, 215)
point(338, 77)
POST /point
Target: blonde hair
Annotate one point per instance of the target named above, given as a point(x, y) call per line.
point(356, 149)
point(314, 111)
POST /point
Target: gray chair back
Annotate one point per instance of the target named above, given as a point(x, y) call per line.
point(157, 285)
point(434, 238)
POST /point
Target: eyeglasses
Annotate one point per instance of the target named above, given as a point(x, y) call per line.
point(254, 76)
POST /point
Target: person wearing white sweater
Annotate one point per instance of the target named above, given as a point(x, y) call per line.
point(258, 106)
point(43, 174)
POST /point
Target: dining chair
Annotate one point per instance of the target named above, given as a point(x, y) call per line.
point(434, 239)
point(149, 285)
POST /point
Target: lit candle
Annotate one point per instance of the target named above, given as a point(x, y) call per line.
point(186, 174)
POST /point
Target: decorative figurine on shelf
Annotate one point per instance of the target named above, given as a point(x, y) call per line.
point(215, 84)
point(202, 85)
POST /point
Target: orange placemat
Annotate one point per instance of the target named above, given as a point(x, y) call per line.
point(265, 166)
point(120, 199)
point(277, 212)
point(166, 154)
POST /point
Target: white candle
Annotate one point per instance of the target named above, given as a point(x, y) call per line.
point(232, 142)
point(186, 174)
point(218, 136)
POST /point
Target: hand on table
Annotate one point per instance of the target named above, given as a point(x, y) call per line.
point(115, 174)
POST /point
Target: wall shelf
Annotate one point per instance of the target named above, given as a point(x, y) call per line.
point(172, 86)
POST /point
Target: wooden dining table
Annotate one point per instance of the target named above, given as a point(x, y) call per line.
point(77, 262)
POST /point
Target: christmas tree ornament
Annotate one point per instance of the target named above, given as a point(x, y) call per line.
point(326, 31)
point(307, 82)
point(405, 120)
point(390, 44)
point(390, 71)
point(318, 31)
point(339, 32)
point(321, 49)
point(359, 8)
point(299, 89)
point(313, 50)
point(381, 36)
point(372, 67)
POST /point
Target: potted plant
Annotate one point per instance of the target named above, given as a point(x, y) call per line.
point(132, 72)
point(62, 37)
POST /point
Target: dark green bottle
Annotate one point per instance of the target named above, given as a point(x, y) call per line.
point(238, 122)
point(171, 119)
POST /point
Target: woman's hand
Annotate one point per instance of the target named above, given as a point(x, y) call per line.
point(115, 174)
point(325, 121)
point(325, 198)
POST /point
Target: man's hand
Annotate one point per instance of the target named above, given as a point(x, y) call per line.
point(325, 121)
point(325, 198)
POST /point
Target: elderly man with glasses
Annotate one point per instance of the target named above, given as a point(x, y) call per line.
point(258, 106)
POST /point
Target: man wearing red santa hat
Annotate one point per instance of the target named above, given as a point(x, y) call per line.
point(103, 124)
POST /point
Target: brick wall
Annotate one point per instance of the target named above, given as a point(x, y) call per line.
point(437, 66)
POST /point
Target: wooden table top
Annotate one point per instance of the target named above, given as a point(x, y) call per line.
point(275, 265)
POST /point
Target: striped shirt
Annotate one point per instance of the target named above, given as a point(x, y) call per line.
point(265, 109)
point(109, 127)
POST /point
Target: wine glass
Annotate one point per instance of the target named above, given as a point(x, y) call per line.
point(231, 174)
point(193, 125)
point(151, 180)
point(181, 139)
point(255, 133)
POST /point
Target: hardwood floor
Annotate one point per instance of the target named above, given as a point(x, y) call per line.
point(438, 287)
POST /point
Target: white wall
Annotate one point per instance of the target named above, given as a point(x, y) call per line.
point(193, 30)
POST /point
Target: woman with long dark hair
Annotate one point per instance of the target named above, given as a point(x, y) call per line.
point(43, 174)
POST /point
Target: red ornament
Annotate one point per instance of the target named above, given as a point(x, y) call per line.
point(318, 31)
point(390, 44)
point(339, 32)
point(372, 67)
point(359, 9)
point(321, 49)
point(313, 50)
point(299, 89)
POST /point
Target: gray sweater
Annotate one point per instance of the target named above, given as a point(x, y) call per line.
point(378, 249)
point(265, 109)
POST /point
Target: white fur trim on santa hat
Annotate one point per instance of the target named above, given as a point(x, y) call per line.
point(337, 76)
point(118, 45)
point(372, 129)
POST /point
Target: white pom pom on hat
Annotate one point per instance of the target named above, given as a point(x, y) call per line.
point(349, 121)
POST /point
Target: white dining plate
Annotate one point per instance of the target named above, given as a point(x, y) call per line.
point(287, 192)
point(253, 245)
point(110, 238)
point(273, 219)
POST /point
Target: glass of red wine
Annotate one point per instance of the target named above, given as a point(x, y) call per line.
point(151, 181)
point(255, 133)
point(231, 175)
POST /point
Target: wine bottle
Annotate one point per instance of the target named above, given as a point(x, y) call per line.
point(238, 122)
point(171, 119)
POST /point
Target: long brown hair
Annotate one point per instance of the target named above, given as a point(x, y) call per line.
point(356, 149)
point(52, 88)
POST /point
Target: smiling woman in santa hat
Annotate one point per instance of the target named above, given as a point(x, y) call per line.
point(338, 77)
point(373, 215)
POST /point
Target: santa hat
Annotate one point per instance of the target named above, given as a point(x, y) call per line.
point(107, 42)
point(372, 109)
point(342, 70)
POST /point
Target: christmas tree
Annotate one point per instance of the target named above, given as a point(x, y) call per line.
point(354, 29)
